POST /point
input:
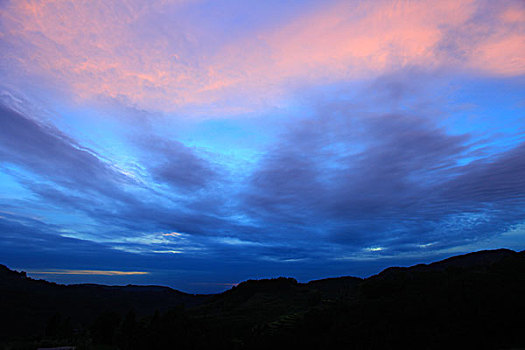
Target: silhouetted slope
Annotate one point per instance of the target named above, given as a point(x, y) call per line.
point(257, 302)
point(27, 305)
point(254, 303)
point(477, 260)
point(470, 301)
point(333, 288)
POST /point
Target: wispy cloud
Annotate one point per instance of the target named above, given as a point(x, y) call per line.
point(87, 272)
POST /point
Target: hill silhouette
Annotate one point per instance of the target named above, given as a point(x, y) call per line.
point(467, 301)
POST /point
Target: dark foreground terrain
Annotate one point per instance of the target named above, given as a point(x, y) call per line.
point(465, 302)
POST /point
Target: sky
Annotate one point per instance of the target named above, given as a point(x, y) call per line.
point(200, 143)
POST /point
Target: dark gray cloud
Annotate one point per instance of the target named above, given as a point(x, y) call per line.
point(173, 163)
point(359, 177)
point(500, 178)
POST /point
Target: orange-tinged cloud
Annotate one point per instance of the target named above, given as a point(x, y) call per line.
point(503, 50)
point(368, 37)
point(172, 234)
point(127, 50)
point(89, 272)
point(352, 40)
point(503, 56)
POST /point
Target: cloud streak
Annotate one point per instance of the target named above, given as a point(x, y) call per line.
point(88, 272)
point(34, 145)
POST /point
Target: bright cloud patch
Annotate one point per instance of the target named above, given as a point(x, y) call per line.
point(88, 272)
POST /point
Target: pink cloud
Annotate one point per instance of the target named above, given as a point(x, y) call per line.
point(355, 40)
point(503, 50)
point(126, 50)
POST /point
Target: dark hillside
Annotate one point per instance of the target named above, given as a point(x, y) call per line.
point(468, 301)
point(28, 305)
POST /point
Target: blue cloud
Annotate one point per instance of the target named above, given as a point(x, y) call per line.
point(351, 186)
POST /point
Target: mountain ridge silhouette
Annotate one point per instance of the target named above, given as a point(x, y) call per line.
point(469, 300)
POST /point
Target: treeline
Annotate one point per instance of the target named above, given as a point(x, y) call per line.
point(173, 329)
